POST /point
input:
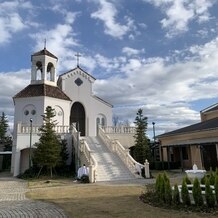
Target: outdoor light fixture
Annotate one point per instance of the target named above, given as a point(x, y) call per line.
point(31, 130)
point(153, 123)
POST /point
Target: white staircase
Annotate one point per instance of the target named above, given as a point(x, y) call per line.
point(110, 166)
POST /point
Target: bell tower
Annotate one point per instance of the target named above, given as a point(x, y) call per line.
point(43, 69)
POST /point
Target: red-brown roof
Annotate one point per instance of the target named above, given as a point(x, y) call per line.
point(44, 52)
point(42, 90)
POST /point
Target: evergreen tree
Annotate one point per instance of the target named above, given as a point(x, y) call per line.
point(158, 185)
point(185, 194)
point(47, 153)
point(176, 197)
point(216, 188)
point(3, 126)
point(64, 153)
point(5, 141)
point(141, 149)
point(162, 189)
point(210, 199)
point(196, 191)
point(168, 191)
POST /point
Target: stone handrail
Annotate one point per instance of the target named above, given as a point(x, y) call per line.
point(26, 129)
point(118, 129)
point(115, 146)
point(84, 148)
point(91, 160)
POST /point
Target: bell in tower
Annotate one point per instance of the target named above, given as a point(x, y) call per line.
point(43, 68)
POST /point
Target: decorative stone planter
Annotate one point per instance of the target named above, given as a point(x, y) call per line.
point(195, 173)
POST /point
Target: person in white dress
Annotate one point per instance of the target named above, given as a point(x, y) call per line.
point(82, 171)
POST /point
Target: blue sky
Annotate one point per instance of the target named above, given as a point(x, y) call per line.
point(159, 55)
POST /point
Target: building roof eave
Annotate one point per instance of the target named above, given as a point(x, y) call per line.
point(192, 142)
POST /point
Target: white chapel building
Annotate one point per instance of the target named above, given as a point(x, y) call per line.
point(72, 98)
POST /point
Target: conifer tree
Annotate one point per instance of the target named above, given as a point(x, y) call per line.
point(196, 190)
point(47, 153)
point(216, 188)
point(64, 153)
point(185, 194)
point(176, 197)
point(168, 191)
point(141, 148)
point(5, 140)
point(158, 184)
point(3, 126)
point(210, 199)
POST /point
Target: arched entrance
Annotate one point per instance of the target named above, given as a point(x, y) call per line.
point(77, 115)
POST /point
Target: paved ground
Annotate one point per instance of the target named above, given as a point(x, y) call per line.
point(14, 204)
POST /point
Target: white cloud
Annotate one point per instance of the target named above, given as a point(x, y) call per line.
point(107, 13)
point(180, 13)
point(131, 51)
point(18, 80)
point(59, 41)
point(156, 81)
point(11, 20)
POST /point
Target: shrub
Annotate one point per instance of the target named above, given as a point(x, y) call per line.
point(158, 184)
point(203, 180)
point(29, 173)
point(216, 187)
point(185, 195)
point(212, 178)
point(216, 172)
point(196, 191)
point(162, 189)
point(187, 180)
point(176, 197)
point(167, 191)
point(210, 200)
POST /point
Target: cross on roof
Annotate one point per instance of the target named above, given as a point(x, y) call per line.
point(78, 55)
point(44, 43)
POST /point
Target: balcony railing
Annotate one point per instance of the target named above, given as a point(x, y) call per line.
point(118, 129)
point(24, 129)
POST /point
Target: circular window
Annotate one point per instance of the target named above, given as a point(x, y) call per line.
point(33, 112)
point(26, 112)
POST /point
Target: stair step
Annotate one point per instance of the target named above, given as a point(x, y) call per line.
point(110, 166)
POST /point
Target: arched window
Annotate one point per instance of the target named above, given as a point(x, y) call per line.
point(50, 72)
point(38, 70)
point(102, 121)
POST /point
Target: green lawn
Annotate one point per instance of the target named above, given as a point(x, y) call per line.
point(103, 201)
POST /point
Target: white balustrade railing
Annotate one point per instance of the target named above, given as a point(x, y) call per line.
point(118, 129)
point(24, 129)
point(90, 158)
point(115, 146)
point(84, 149)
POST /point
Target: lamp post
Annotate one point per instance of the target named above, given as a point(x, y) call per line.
point(31, 130)
point(153, 123)
point(153, 150)
point(78, 145)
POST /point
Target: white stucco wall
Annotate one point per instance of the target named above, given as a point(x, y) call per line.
point(83, 94)
point(39, 104)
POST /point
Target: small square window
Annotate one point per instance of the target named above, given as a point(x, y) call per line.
point(78, 82)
